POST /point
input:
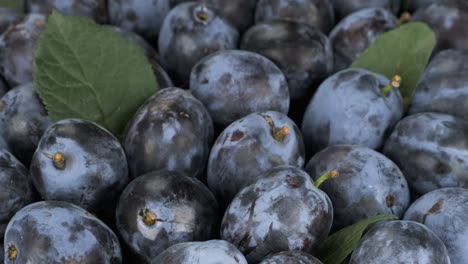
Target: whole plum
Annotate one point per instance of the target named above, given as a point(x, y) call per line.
point(234, 83)
point(249, 147)
point(431, 149)
point(369, 183)
point(350, 107)
point(172, 131)
point(281, 211)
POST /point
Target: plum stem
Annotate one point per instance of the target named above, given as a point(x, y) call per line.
point(278, 133)
point(59, 160)
point(149, 218)
point(328, 175)
point(394, 83)
point(404, 18)
point(12, 253)
point(201, 14)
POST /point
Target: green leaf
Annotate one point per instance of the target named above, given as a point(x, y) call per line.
point(84, 70)
point(404, 51)
point(340, 244)
point(16, 5)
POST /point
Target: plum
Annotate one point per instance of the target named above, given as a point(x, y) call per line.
point(281, 211)
point(189, 32)
point(249, 147)
point(444, 212)
point(162, 208)
point(400, 242)
point(431, 149)
point(369, 183)
point(172, 131)
point(59, 232)
point(351, 107)
point(80, 162)
point(234, 83)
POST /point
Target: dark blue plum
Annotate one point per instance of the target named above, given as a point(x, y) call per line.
point(431, 149)
point(160, 209)
point(59, 232)
point(144, 17)
point(355, 33)
point(234, 83)
point(344, 8)
point(249, 147)
point(400, 242)
point(172, 131)
point(95, 9)
point(444, 212)
point(448, 22)
point(17, 45)
point(316, 13)
point(23, 120)
point(303, 53)
point(190, 32)
point(291, 257)
point(444, 85)
point(281, 211)
point(16, 189)
point(350, 107)
point(208, 252)
point(369, 183)
point(79, 162)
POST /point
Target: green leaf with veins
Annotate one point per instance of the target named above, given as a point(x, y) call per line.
point(404, 51)
point(340, 244)
point(88, 71)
